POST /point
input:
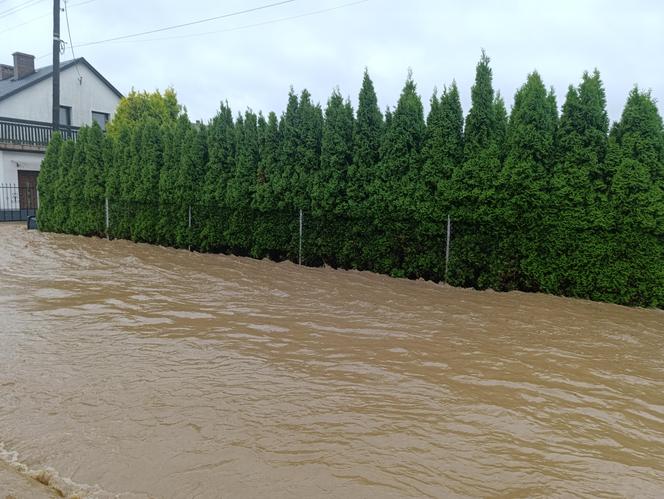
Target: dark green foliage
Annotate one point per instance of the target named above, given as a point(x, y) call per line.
point(500, 114)
point(329, 183)
point(394, 188)
point(367, 137)
point(221, 159)
point(146, 172)
point(73, 192)
point(271, 227)
point(537, 203)
point(635, 275)
point(473, 189)
point(575, 250)
point(92, 216)
point(442, 153)
point(301, 135)
point(191, 176)
point(522, 190)
point(60, 211)
point(46, 183)
point(242, 185)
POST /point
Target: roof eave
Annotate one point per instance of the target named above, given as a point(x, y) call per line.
point(62, 68)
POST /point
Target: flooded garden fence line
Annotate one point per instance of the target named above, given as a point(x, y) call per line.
point(396, 239)
point(306, 237)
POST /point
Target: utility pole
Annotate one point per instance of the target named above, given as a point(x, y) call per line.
point(56, 65)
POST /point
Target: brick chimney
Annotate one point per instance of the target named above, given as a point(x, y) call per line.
point(24, 65)
point(6, 71)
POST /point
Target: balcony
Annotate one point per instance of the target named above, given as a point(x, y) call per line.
point(25, 135)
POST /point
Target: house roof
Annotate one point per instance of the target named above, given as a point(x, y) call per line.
point(11, 86)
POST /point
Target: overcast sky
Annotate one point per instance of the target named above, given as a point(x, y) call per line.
point(252, 59)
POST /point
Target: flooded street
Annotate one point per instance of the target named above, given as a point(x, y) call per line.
point(138, 371)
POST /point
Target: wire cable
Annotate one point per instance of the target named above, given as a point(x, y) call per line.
point(41, 17)
point(227, 30)
point(237, 28)
point(71, 44)
point(17, 8)
point(191, 23)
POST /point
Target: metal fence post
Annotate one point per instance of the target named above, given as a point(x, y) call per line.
point(447, 247)
point(299, 259)
point(107, 220)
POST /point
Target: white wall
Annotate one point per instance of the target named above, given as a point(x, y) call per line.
point(12, 161)
point(36, 103)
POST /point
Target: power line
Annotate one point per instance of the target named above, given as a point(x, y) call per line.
point(228, 30)
point(237, 28)
point(17, 8)
point(191, 23)
point(41, 17)
point(71, 44)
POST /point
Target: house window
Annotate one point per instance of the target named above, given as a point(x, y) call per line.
point(65, 115)
point(100, 118)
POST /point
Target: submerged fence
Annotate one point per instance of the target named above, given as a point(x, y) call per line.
point(17, 203)
point(396, 245)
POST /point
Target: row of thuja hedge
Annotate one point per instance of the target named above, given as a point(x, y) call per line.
point(539, 201)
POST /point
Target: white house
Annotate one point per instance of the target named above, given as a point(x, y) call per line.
point(26, 108)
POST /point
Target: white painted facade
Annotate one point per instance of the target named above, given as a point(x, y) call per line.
point(12, 161)
point(36, 102)
point(83, 95)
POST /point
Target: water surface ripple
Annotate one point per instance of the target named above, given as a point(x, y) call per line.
point(138, 371)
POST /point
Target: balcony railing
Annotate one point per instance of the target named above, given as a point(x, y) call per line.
point(31, 133)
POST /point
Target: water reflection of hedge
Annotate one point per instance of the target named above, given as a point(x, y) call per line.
point(539, 202)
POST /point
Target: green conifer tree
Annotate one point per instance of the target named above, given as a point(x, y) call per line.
point(394, 187)
point(472, 189)
point(221, 160)
point(523, 187)
point(575, 254)
point(329, 184)
point(367, 137)
point(146, 190)
point(272, 233)
point(92, 209)
point(190, 184)
point(61, 192)
point(117, 183)
point(73, 185)
point(46, 184)
point(635, 275)
point(442, 154)
point(242, 185)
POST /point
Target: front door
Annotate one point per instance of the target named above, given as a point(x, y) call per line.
point(27, 189)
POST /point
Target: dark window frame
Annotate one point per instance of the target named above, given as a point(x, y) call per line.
point(67, 110)
point(107, 117)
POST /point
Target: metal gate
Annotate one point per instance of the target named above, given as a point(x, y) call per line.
point(18, 202)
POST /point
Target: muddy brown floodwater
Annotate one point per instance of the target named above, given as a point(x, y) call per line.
point(137, 371)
